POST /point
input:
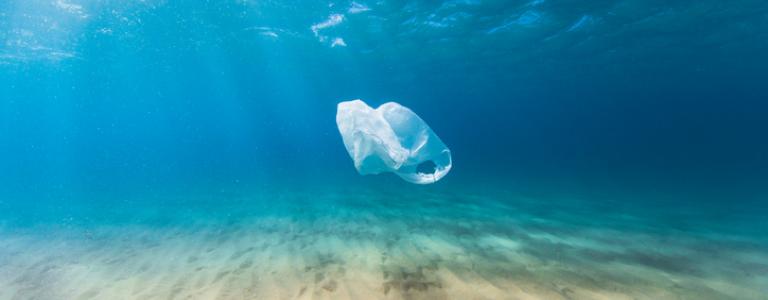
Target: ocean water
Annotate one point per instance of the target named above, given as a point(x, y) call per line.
point(602, 149)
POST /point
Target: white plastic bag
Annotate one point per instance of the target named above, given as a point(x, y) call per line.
point(392, 138)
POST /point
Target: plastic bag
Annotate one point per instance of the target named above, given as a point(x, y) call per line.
point(392, 138)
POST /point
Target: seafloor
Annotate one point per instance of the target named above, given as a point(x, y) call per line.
point(377, 243)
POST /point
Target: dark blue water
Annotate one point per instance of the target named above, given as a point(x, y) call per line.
point(643, 117)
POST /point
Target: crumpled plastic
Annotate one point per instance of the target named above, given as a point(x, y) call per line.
point(392, 138)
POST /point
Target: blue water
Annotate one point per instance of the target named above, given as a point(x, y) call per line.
point(601, 149)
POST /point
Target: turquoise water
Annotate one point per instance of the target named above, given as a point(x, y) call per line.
point(188, 150)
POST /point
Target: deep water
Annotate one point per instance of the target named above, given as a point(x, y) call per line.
point(600, 149)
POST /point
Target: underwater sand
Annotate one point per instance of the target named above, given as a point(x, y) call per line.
point(374, 244)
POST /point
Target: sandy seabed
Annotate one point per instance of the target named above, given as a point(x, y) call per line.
point(373, 245)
